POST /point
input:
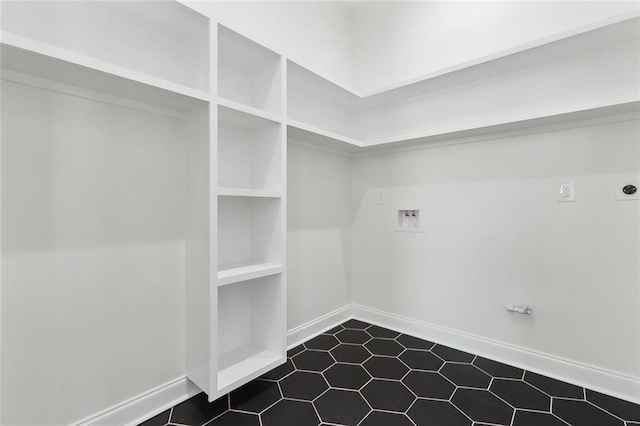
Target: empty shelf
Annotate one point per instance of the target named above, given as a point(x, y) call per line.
point(247, 368)
point(249, 272)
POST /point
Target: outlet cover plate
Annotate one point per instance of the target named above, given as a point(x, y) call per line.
point(619, 195)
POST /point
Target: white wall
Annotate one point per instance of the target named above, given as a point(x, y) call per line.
point(396, 41)
point(319, 234)
point(317, 34)
point(494, 235)
point(92, 255)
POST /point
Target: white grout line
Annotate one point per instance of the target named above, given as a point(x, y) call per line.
point(415, 397)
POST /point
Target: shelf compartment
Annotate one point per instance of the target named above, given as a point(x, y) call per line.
point(319, 137)
point(242, 192)
point(250, 151)
point(229, 274)
point(227, 103)
point(250, 230)
point(40, 60)
point(249, 73)
point(316, 102)
point(251, 330)
point(173, 38)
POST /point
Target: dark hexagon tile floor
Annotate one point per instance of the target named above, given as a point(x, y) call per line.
point(357, 374)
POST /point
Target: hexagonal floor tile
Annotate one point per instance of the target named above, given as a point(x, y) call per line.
point(411, 342)
point(385, 368)
point(623, 409)
point(530, 418)
point(341, 407)
point(582, 413)
point(386, 395)
point(323, 342)
point(482, 406)
point(384, 347)
point(381, 332)
point(498, 369)
point(357, 337)
point(356, 324)
point(231, 418)
point(279, 372)
point(295, 351)
point(313, 360)
point(376, 418)
point(160, 420)
point(303, 385)
point(427, 384)
point(197, 410)
point(466, 375)
point(347, 376)
point(521, 394)
point(255, 396)
point(424, 412)
point(450, 354)
point(421, 360)
point(554, 387)
point(334, 330)
point(354, 354)
point(290, 413)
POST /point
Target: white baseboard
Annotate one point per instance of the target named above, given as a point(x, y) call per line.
point(155, 401)
point(144, 406)
point(587, 376)
point(148, 404)
point(306, 331)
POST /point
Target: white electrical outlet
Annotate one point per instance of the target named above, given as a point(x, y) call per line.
point(380, 199)
point(566, 191)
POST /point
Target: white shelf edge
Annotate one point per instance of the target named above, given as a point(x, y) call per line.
point(240, 107)
point(245, 192)
point(325, 133)
point(55, 86)
point(524, 119)
point(505, 53)
point(477, 61)
point(250, 272)
point(247, 369)
point(333, 81)
point(219, 24)
point(44, 49)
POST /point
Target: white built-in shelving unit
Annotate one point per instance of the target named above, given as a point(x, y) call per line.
point(222, 97)
point(234, 104)
point(251, 227)
point(540, 83)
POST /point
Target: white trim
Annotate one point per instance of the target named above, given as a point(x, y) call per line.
point(143, 406)
point(306, 331)
point(584, 375)
point(155, 401)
